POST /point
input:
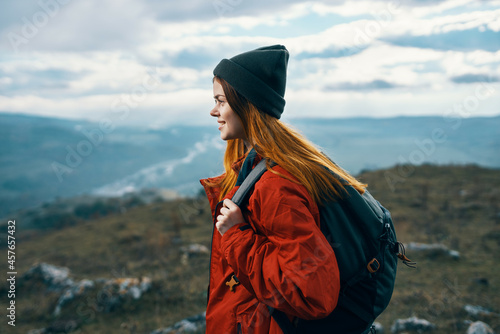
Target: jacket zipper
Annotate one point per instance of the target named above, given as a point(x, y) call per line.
point(212, 241)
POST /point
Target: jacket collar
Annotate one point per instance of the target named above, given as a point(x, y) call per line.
point(246, 167)
point(243, 166)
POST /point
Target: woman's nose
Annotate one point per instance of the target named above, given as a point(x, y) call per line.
point(214, 112)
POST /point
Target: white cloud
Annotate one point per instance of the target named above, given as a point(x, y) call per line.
point(132, 107)
point(439, 7)
point(80, 26)
point(357, 8)
point(394, 64)
point(92, 53)
point(397, 102)
point(458, 63)
point(480, 57)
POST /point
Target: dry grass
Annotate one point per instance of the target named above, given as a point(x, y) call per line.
point(458, 207)
point(454, 205)
point(144, 241)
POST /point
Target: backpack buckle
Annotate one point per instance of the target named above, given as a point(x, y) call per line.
point(373, 266)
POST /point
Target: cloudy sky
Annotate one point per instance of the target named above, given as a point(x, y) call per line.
point(150, 62)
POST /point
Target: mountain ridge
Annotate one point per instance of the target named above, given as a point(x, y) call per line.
point(44, 158)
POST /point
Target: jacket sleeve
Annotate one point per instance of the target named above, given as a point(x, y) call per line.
point(290, 265)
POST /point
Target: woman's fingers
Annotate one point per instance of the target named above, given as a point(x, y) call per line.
point(230, 215)
point(230, 204)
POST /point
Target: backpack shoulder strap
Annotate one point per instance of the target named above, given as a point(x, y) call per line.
point(240, 196)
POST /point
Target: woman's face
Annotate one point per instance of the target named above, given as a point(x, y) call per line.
point(230, 125)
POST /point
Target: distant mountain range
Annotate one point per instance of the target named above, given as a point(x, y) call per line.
point(46, 158)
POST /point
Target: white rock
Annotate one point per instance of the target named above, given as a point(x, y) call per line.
point(379, 329)
point(56, 278)
point(129, 286)
point(412, 324)
point(189, 325)
point(479, 327)
point(195, 249)
point(192, 250)
point(440, 248)
point(72, 292)
point(37, 331)
point(475, 310)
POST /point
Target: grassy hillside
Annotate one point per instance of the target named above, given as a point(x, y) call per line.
point(457, 206)
point(143, 241)
point(460, 208)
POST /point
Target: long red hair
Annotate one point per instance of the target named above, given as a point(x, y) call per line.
point(275, 141)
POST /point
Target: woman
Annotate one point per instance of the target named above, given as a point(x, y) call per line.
point(270, 253)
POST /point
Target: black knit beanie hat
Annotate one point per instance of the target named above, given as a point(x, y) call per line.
point(259, 75)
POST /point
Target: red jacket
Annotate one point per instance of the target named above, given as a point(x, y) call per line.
point(280, 257)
